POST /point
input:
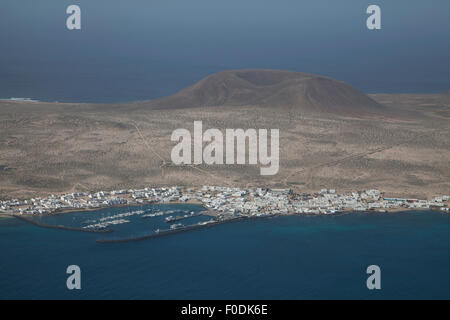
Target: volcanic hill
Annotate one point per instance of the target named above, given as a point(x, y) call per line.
point(273, 88)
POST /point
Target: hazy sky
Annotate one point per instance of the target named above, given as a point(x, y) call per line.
point(149, 48)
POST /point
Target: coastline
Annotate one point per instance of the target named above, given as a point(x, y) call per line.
point(71, 210)
point(346, 211)
point(187, 228)
point(223, 202)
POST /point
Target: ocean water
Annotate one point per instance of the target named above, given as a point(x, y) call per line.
point(140, 50)
point(290, 257)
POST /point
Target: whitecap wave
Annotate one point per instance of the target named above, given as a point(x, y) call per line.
point(20, 99)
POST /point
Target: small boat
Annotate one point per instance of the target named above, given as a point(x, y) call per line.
point(169, 219)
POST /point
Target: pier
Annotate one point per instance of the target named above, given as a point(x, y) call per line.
point(178, 218)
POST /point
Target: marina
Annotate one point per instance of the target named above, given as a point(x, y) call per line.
point(171, 231)
point(157, 214)
point(103, 225)
point(181, 228)
point(186, 216)
point(44, 225)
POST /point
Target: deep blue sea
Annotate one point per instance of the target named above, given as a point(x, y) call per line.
point(290, 257)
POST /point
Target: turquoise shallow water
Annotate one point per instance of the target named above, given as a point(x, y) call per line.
point(292, 257)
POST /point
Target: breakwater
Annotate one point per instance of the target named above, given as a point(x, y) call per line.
point(183, 229)
point(172, 231)
point(49, 226)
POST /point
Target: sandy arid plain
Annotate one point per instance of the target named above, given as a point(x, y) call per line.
point(402, 149)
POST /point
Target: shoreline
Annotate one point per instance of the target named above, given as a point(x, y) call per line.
point(220, 202)
point(206, 211)
point(21, 100)
point(186, 228)
point(71, 210)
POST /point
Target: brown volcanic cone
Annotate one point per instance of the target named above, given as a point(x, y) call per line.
point(273, 88)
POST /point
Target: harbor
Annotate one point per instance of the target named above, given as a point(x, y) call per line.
point(218, 205)
point(225, 200)
point(160, 233)
point(60, 227)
